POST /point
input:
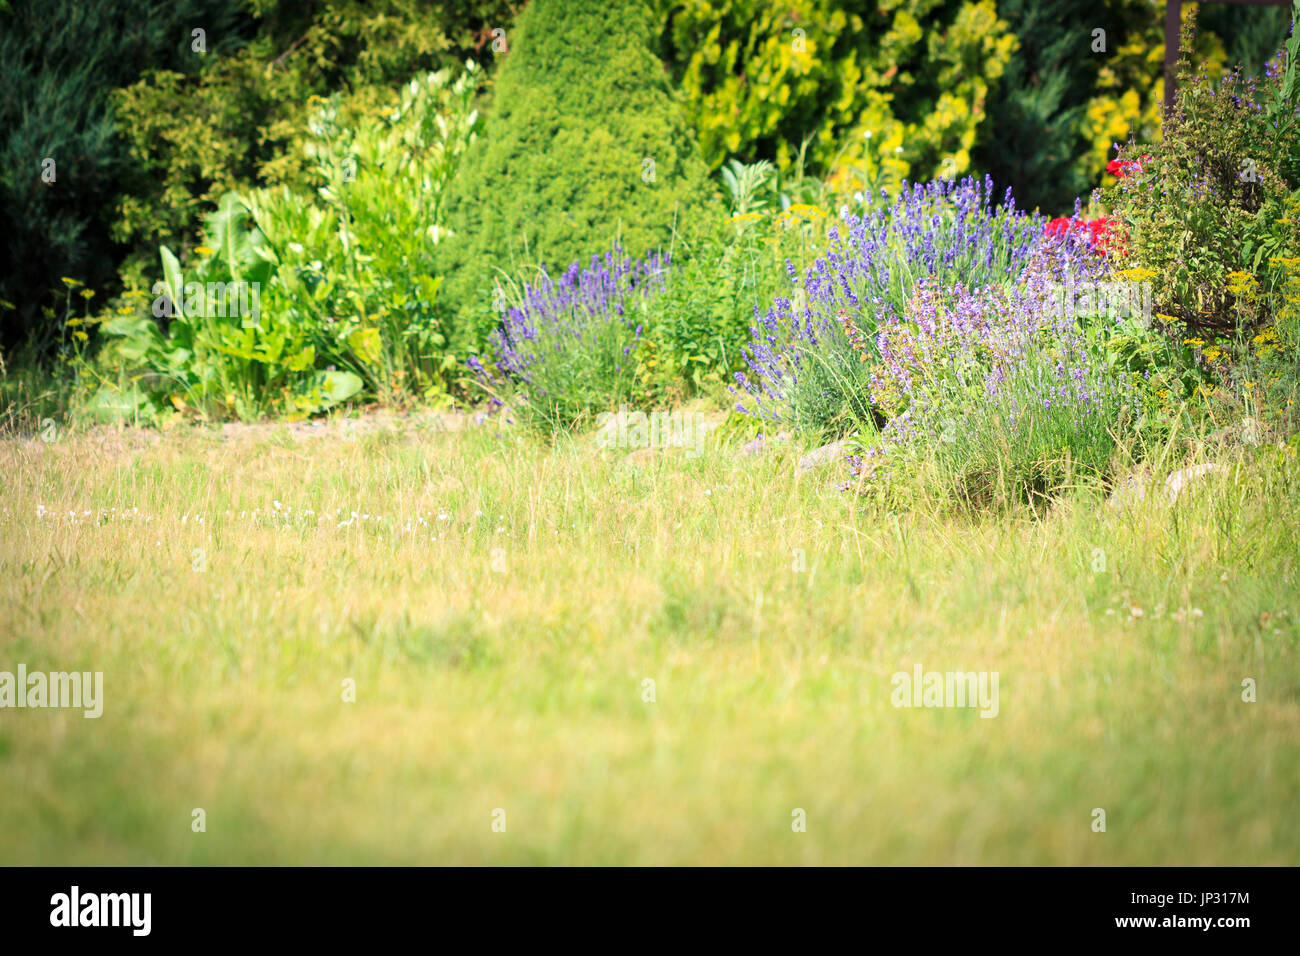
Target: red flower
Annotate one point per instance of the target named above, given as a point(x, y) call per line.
point(1060, 226)
point(1119, 168)
point(1097, 231)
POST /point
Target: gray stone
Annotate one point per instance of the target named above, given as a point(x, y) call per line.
point(1178, 480)
point(1135, 487)
point(835, 451)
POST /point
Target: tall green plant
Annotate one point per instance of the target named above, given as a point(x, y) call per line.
point(584, 145)
point(342, 278)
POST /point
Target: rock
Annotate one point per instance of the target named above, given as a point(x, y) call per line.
point(1178, 480)
point(835, 451)
point(1250, 431)
point(1134, 488)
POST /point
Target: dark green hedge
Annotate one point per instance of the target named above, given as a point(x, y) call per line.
point(59, 61)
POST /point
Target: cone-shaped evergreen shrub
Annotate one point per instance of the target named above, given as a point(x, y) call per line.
point(584, 145)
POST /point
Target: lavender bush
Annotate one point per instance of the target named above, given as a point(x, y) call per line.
point(566, 349)
point(933, 326)
point(999, 386)
point(810, 357)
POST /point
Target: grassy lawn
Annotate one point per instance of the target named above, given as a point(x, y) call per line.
point(501, 605)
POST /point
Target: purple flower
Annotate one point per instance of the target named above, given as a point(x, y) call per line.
point(566, 340)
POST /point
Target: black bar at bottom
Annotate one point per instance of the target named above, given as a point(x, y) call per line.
point(335, 906)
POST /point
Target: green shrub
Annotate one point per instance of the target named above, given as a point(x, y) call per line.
point(734, 258)
point(1216, 195)
point(344, 275)
point(1006, 394)
point(891, 88)
point(237, 123)
point(584, 146)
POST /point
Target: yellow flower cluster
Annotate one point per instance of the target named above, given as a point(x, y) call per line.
point(1243, 285)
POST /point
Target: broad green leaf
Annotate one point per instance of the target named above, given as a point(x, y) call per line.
point(173, 278)
point(338, 387)
point(367, 345)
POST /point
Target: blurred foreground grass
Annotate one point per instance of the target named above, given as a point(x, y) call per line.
point(500, 606)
